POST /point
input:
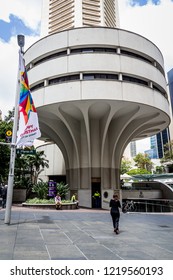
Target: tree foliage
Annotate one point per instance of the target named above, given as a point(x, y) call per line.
point(41, 189)
point(138, 171)
point(125, 165)
point(27, 169)
point(143, 162)
point(168, 152)
point(62, 189)
point(5, 125)
point(159, 170)
point(36, 164)
point(10, 116)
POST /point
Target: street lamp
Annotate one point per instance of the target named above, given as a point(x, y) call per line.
point(21, 41)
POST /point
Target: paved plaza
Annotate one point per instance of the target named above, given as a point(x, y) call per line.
point(84, 234)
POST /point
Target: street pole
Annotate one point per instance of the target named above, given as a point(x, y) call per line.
point(21, 41)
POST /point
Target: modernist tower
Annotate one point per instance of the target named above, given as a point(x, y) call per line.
point(96, 88)
point(59, 15)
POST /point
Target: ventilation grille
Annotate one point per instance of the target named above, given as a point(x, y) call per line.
point(61, 15)
point(91, 12)
point(109, 13)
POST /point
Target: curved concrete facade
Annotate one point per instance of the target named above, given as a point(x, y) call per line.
point(97, 89)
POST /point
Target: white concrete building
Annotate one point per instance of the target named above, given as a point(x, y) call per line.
point(96, 89)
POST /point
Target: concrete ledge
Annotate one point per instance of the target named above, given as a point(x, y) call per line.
point(64, 206)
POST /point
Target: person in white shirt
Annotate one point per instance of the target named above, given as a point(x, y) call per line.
point(58, 203)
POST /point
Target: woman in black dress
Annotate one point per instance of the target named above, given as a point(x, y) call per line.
point(115, 213)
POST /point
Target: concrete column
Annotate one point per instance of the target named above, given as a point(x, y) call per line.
point(78, 13)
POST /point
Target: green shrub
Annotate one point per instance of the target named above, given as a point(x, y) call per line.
point(62, 189)
point(44, 201)
point(41, 189)
point(40, 201)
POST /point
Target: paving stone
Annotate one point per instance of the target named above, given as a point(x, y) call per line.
point(68, 252)
point(85, 234)
point(51, 236)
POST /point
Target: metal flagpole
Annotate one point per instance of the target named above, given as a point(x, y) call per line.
point(21, 42)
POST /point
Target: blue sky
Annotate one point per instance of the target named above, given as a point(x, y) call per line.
point(143, 2)
point(13, 27)
point(18, 16)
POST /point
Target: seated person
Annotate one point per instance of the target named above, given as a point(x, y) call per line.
point(58, 201)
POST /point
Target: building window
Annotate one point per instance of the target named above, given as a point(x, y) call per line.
point(134, 80)
point(93, 50)
point(40, 85)
point(51, 56)
point(64, 79)
point(100, 76)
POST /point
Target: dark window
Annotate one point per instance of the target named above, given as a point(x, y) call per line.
point(100, 76)
point(160, 90)
point(135, 55)
point(134, 80)
point(64, 79)
point(51, 56)
point(40, 85)
point(92, 50)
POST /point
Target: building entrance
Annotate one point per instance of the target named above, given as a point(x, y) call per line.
point(96, 193)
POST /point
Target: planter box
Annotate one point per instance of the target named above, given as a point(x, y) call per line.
point(19, 195)
point(64, 206)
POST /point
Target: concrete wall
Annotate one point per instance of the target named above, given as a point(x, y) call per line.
point(150, 194)
point(167, 191)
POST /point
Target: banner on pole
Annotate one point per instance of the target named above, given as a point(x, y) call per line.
point(28, 128)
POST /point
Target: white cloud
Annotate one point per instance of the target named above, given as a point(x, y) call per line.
point(30, 13)
point(8, 76)
point(8, 72)
point(27, 10)
point(152, 21)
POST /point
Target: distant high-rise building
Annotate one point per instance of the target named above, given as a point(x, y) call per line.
point(157, 143)
point(154, 146)
point(133, 148)
point(162, 139)
point(153, 151)
point(61, 15)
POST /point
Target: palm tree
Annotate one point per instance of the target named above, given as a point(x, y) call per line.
point(37, 162)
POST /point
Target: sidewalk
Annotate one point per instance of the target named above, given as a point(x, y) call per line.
point(84, 235)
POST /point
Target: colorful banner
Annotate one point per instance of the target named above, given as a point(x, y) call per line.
point(28, 119)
